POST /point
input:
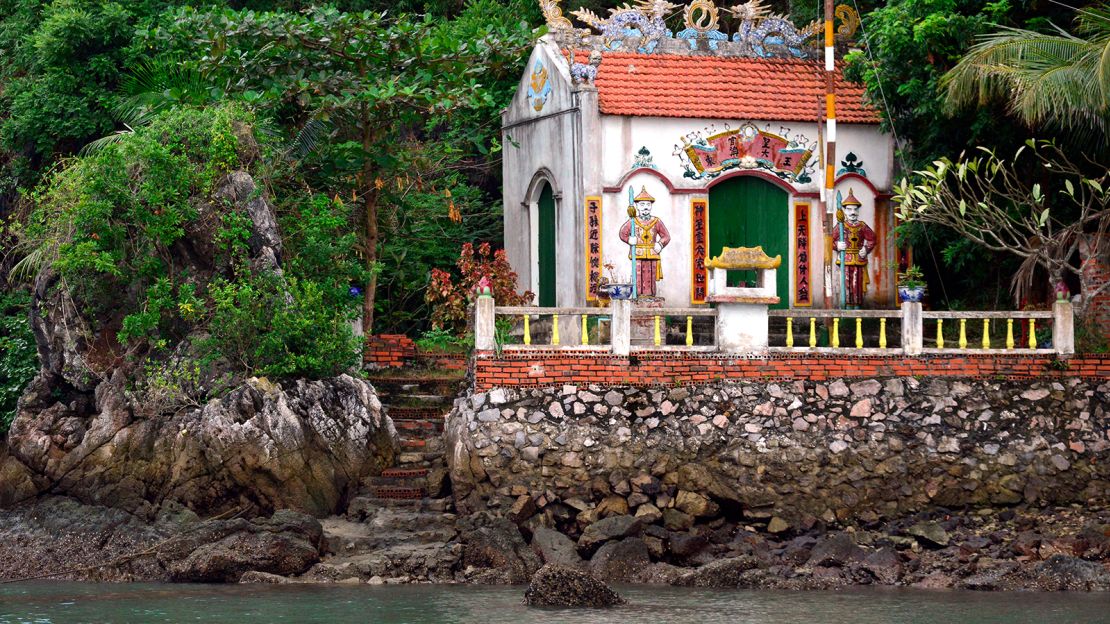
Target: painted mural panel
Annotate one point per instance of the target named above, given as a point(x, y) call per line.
point(646, 236)
point(853, 241)
point(539, 86)
point(746, 147)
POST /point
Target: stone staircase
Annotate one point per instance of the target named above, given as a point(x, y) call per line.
point(418, 402)
point(400, 527)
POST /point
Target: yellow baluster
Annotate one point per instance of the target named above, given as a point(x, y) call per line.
point(658, 337)
point(835, 338)
point(940, 333)
point(812, 332)
point(555, 329)
point(585, 333)
point(882, 333)
point(789, 332)
point(1032, 333)
point(963, 333)
point(1009, 333)
point(527, 331)
point(689, 331)
point(859, 333)
point(986, 333)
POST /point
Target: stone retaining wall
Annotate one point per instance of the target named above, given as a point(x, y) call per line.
point(802, 451)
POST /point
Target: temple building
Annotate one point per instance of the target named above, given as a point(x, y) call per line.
point(627, 140)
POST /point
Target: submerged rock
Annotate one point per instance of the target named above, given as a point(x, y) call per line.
point(556, 585)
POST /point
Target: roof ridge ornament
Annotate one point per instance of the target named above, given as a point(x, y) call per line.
point(642, 26)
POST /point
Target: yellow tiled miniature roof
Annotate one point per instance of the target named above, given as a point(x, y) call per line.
point(741, 258)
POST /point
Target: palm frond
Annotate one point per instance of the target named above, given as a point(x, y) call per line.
point(98, 145)
point(1054, 79)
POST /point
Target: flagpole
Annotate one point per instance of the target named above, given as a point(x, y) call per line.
point(830, 128)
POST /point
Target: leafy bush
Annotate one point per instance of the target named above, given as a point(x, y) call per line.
point(282, 328)
point(439, 339)
point(450, 295)
point(18, 358)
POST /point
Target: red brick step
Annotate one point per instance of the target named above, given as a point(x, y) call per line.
point(399, 493)
point(404, 473)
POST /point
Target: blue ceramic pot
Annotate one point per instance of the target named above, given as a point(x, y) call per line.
point(619, 291)
point(912, 295)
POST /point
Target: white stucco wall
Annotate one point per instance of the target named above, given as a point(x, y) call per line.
point(544, 145)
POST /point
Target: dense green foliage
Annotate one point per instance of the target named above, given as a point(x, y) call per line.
point(18, 360)
point(909, 46)
point(115, 221)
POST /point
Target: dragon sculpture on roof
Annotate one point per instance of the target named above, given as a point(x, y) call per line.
point(644, 20)
point(761, 33)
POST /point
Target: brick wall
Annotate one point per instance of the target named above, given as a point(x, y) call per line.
point(1096, 273)
point(547, 368)
point(397, 350)
point(389, 350)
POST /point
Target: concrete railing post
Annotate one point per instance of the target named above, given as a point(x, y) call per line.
point(913, 328)
point(484, 326)
point(1063, 328)
point(620, 327)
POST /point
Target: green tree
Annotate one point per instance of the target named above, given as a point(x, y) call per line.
point(1054, 79)
point(380, 89)
point(991, 201)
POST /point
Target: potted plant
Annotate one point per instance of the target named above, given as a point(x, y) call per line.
point(911, 284)
point(617, 287)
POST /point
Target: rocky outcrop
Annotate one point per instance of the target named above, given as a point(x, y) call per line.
point(105, 425)
point(60, 538)
point(556, 585)
point(301, 445)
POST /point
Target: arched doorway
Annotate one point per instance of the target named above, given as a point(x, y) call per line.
point(746, 211)
point(545, 247)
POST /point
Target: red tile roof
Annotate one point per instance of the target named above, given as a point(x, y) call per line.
point(713, 87)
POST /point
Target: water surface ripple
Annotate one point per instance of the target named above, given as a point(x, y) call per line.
point(72, 603)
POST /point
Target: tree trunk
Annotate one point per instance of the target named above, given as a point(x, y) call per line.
point(371, 255)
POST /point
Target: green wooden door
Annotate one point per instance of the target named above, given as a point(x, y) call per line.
point(749, 212)
point(546, 247)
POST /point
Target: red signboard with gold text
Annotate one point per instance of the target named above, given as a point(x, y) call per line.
point(699, 243)
point(593, 247)
point(803, 293)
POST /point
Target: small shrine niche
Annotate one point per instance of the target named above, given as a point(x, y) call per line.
point(743, 259)
point(742, 310)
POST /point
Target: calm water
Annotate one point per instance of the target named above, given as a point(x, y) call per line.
point(56, 603)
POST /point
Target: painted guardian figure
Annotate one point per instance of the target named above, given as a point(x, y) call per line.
point(648, 241)
point(855, 240)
